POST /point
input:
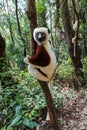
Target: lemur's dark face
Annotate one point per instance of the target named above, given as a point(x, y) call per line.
point(40, 36)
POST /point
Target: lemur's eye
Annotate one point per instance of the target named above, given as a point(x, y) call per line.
point(43, 35)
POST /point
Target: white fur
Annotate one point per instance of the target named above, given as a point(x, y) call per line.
point(49, 69)
point(41, 29)
point(75, 25)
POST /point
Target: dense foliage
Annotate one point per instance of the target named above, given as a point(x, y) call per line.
point(21, 98)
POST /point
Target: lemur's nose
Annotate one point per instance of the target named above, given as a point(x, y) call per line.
point(40, 37)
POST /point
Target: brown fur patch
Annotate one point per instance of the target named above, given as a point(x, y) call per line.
point(41, 58)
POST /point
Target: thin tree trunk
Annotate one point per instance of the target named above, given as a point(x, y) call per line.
point(2, 47)
point(10, 26)
point(31, 12)
point(20, 33)
point(57, 13)
point(18, 23)
point(2, 58)
point(84, 34)
point(6, 80)
point(76, 60)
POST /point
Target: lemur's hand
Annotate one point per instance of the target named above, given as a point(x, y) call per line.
point(28, 56)
point(26, 59)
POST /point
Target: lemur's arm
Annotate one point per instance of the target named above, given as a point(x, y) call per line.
point(41, 58)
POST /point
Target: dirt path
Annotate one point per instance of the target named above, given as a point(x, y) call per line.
point(73, 115)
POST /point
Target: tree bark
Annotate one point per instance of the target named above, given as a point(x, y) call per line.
point(5, 80)
point(31, 12)
point(76, 60)
point(20, 33)
point(10, 26)
point(84, 34)
point(18, 23)
point(2, 53)
point(2, 47)
point(57, 13)
point(2, 58)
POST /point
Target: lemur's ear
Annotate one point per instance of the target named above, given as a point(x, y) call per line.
point(48, 31)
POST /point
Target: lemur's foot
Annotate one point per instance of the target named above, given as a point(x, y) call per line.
point(26, 59)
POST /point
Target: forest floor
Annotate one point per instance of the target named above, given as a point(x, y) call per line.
point(73, 114)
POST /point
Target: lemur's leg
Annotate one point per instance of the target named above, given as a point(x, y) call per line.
point(37, 73)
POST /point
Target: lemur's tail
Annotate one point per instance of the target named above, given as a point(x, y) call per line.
point(50, 88)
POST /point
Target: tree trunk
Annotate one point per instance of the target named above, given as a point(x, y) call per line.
point(84, 34)
point(57, 13)
point(2, 53)
point(20, 33)
point(2, 47)
point(5, 79)
point(31, 12)
point(2, 58)
point(50, 106)
point(76, 60)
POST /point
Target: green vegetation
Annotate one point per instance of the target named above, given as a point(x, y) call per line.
point(20, 103)
point(21, 98)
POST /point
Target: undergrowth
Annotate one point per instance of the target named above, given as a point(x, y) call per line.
point(21, 101)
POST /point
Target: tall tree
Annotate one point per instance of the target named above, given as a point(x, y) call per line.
point(70, 34)
point(57, 12)
point(10, 26)
point(4, 79)
point(2, 56)
point(19, 30)
point(83, 19)
point(2, 50)
point(31, 12)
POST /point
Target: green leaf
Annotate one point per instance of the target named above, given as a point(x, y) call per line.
point(16, 120)
point(35, 113)
point(0, 97)
point(26, 122)
point(17, 109)
point(30, 124)
point(3, 128)
point(33, 124)
point(9, 128)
